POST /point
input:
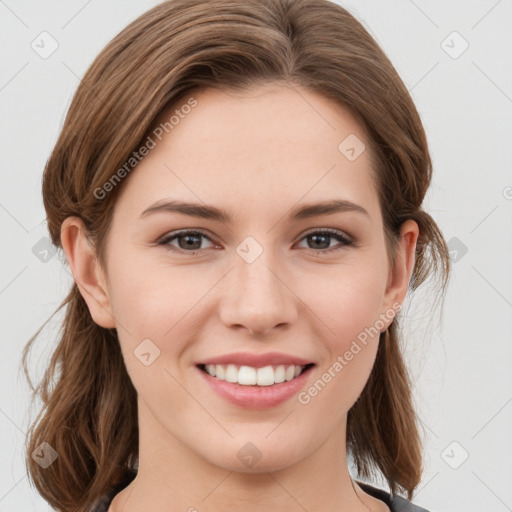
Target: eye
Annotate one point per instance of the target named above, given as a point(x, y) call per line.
point(188, 241)
point(321, 240)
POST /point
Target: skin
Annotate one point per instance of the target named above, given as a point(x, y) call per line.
point(256, 154)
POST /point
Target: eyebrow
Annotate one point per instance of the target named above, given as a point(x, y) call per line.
point(205, 211)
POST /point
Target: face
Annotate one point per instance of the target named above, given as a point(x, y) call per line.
point(184, 288)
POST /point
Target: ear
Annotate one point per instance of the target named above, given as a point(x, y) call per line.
point(87, 270)
point(400, 273)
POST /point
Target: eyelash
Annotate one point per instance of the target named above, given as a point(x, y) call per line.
point(326, 231)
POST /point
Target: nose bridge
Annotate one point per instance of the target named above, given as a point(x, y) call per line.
point(256, 296)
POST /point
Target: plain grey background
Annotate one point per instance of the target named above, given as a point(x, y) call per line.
point(455, 59)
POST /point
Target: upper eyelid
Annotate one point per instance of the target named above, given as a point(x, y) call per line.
point(173, 234)
point(331, 231)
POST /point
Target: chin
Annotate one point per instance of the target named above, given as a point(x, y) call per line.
point(257, 457)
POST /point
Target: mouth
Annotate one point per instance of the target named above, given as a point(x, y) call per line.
point(271, 375)
point(255, 388)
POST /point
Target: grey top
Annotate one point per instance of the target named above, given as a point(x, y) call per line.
point(395, 503)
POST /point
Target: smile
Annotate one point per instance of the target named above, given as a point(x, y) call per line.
point(250, 376)
point(256, 388)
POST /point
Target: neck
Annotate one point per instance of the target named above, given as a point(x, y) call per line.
point(173, 476)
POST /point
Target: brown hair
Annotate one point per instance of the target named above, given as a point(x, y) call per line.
point(89, 413)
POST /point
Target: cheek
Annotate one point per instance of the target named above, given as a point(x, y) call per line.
point(149, 298)
point(150, 301)
point(156, 303)
point(346, 300)
point(348, 303)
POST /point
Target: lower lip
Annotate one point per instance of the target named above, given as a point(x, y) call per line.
point(256, 397)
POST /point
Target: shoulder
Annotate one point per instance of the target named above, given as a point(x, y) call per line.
point(103, 502)
point(395, 503)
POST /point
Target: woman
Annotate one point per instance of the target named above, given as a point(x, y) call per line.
point(238, 190)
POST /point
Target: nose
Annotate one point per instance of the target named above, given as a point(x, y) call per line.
point(257, 297)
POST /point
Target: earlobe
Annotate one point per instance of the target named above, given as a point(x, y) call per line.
point(400, 275)
point(87, 271)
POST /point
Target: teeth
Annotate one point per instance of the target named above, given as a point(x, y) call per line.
point(249, 376)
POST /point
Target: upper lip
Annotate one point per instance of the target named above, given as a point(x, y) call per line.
point(256, 360)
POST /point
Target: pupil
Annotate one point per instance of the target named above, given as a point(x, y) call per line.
point(316, 237)
point(190, 241)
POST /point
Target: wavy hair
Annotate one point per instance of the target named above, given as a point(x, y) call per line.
point(89, 411)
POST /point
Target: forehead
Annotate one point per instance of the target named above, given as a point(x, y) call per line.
point(271, 146)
